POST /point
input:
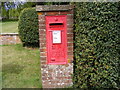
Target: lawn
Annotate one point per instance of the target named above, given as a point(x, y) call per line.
point(20, 67)
point(9, 27)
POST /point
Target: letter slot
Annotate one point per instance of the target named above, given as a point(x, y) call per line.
point(54, 25)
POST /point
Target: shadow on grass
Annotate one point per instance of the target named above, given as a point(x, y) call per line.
point(12, 68)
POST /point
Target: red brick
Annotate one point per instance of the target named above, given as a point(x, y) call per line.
point(41, 17)
point(44, 78)
point(43, 66)
point(70, 35)
point(42, 35)
point(42, 50)
point(69, 44)
point(41, 22)
point(52, 13)
point(69, 25)
point(70, 39)
point(69, 31)
point(65, 12)
point(42, 27)
point(42, 32)
point(42, 44)
point(42, 60)
point(68, 81)
point(70, 20)
point(43, 54)
point(42, 41)
point(70, 56)
point(69, 16)
point(59, 77)
point(70, 48)
point(70, 53)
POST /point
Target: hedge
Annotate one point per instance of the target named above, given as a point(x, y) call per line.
point(97, 31)
point(28, 27)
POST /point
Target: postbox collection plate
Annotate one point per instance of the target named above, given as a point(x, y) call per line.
point(56, 36)
point(56, 39)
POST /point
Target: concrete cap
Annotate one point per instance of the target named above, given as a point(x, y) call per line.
point(54, 7)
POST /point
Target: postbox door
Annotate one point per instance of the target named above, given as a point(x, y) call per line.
point(56, 39)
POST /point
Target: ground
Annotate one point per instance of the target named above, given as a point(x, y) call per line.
point(9, 27)
point(20, 67)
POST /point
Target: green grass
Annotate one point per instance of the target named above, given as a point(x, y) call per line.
point(9, 27)
point(20, 67)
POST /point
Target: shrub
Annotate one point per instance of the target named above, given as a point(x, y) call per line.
point(96, 45)
point(28, 27)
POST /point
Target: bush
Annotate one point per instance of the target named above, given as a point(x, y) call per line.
point(96, 45)
point(28, 27)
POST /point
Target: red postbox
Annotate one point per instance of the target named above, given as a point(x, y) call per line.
point(56, 39)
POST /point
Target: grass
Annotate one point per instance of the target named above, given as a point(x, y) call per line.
point(20, 67)
point(9, 27)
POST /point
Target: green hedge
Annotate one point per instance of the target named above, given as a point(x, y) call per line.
point(28, 27)
point(97, 31)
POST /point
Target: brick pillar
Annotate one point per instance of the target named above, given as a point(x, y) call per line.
point(55, 76)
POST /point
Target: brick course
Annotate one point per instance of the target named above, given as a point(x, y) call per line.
point(9, 38)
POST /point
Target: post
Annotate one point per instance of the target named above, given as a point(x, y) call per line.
point(56, 45)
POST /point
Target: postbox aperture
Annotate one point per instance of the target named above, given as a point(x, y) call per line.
point(56, 39)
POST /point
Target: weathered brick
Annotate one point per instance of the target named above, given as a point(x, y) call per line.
point(42, 22)
point(42, 29)
point(69, 16)
point(42, 32)
point(43, 54)
point(70, 21)
point(42, 26)
point(70, 48)
point(65, 12)
point(69, 44)
point(43, 35)
point(69, 31)
point(42, 45)
point(70, 57)
point(52, 13)
point(70, 39)
point(43, 66)
point(70, 53)
point(41, 17)
point(43, 50)
point(69, 25)
point(70, 35)
point(42, 39)
point(9, 38)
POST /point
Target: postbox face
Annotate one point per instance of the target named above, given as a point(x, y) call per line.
point(56, 39)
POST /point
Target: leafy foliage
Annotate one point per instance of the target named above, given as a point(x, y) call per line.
point(97, 45)
point(28, 27)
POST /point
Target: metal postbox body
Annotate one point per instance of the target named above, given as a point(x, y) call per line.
point(56, 39)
